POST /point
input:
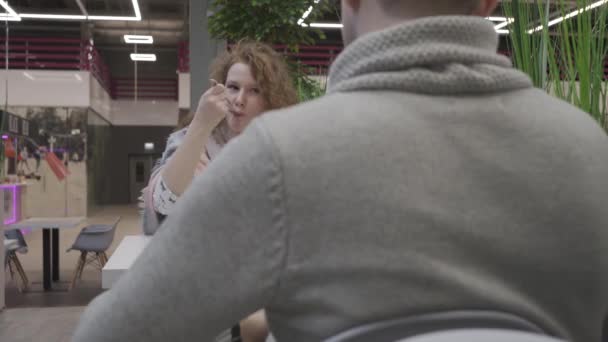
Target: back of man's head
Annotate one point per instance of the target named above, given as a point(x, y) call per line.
point(363, 16)
point(417, 8)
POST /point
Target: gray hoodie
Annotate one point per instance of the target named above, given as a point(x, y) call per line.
point(433, 177)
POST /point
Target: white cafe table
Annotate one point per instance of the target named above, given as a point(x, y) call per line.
point(50, 249)
point(123, 257)
point(121, 260)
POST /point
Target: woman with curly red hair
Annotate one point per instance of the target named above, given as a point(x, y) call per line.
point(248, 80)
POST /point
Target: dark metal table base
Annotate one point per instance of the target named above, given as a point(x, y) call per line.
point(50, 257)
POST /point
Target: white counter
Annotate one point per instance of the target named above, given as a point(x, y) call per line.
point(121, 260)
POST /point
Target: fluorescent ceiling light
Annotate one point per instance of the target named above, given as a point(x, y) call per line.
point(497, 18)
point(570, 15)
point(135, 39)
point(136, 9)
point(135, 3)
point(326, 25)
point(306, 14)
point(504, 23)
point(53, 16)
point(82, 7)
point(8, 8)
point(111, 18)
point(143, 57)
point(6, 17)
point(11, 14)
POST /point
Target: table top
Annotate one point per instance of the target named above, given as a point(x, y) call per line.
point(47, 222)
point(123, 258)
point(128, 250)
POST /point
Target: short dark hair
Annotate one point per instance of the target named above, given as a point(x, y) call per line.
point(429, 7)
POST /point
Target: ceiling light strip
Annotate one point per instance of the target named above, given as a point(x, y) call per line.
point(570, 15)
point(498, 19)
point(143, 57)
point(111, 18)
point(326, 25)
point(138, 39)
point(135, 3)
point(8, 8)
point(82, 7)
point(504, 22)
point(11, 14)
point(306, 14)
point(136, 9)
point(5, 17)
point(53, 16)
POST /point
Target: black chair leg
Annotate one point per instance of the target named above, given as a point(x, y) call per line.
point(9, 263)
point(78, 271)
point(25, 281)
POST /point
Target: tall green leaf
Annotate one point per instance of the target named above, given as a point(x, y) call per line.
point(568, 59)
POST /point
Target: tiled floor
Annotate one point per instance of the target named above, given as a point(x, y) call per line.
point(61, 310)
point(38, 324)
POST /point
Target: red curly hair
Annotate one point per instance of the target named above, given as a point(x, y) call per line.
point(270, 71)
point(268, 67)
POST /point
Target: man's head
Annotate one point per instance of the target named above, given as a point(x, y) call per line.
point(363, 16)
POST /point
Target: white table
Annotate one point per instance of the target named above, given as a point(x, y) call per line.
point(123, 257)
point(50, 249)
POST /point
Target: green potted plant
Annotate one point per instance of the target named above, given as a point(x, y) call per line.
point(562, 46)
point(273, 22)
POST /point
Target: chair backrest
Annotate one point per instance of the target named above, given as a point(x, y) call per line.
point(113, 231)
point(95, 238)
point(16, 234)
point(481, 335)
point(399, 329)
point(110, 235)
point(115, 225)
point(117, 221)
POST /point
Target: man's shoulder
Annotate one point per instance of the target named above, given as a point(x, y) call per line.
point(558, 115)
point(311, 107)
point(321, 111)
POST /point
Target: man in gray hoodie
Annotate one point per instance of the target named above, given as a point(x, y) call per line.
point(432, 177)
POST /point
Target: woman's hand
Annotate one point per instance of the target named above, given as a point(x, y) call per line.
point(212, 107)
point(255, 327)
point(181, 168)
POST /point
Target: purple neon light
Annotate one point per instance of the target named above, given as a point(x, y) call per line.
point(4, 137)
point(13, 188)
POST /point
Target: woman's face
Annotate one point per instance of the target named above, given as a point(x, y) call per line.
point(245, 97)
